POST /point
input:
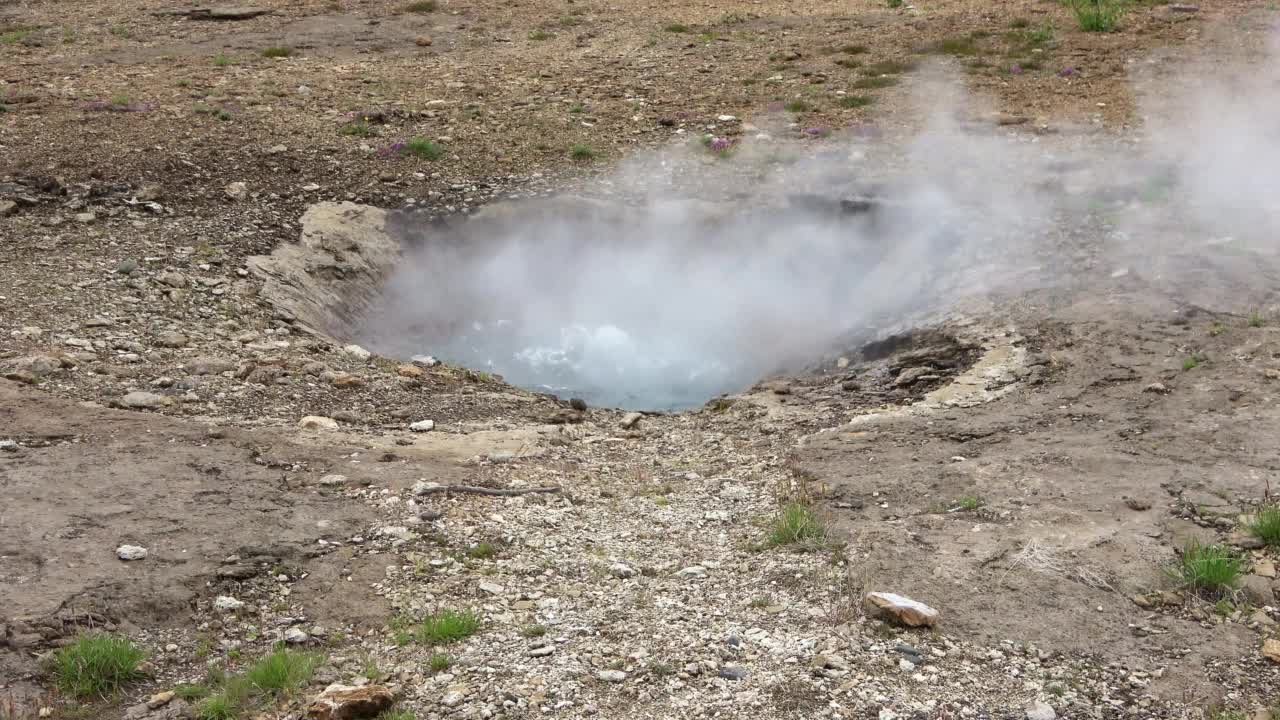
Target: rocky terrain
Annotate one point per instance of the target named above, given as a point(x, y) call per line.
point(195, 454)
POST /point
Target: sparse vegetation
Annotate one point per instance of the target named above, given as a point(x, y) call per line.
point(482, 551)
point(874, 83)
point(894, 4)
point(358, 128)
point(797, 106)
point(952, 46)
point(848, 63)
point(283, 671)
point(796, 523)
point(421, 6)
point(577, 108)
point(966, 503)
point(223, 60)
point(422, 148)
point(1266, 525)
point(676, 27)
point(398, 714)
point(1019, 23)
point(96, 665)
point(1190, 362)
point(889, 67)
point(853, 49)
point(440, 662)
point(277, 52)
point(1097, 15)
point(1207, 568)
point(447, 626)
point(220, 113)
point(538, 35)
point(658, 668)
point(1255, 319)
point(532, 631)
point(13, 35)
point(581, 152)
point(855, 101)
point(191, 691)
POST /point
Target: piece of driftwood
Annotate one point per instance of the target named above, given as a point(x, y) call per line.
point(501, 492)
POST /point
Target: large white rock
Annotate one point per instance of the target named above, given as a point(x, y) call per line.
point(131, 552)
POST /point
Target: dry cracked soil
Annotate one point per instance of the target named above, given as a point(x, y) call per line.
point(196, 211)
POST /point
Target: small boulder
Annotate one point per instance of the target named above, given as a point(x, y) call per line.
point(423, 426)
point(296, 636)
point(357, 352)
point(410, 371)
point(171, 340)
point(422, 41)
point(630, 420)
point(318, 422)
point(1257, 590)
point(236, 191)
point(1041, 710)
point(333, 480)
point(131, 552)
point(622, 570)
point(1271, 649)
point(611, 676)
point(900, 609)
point(226, 603)
point(426, 361)
point(346, 702)
point(142, 400)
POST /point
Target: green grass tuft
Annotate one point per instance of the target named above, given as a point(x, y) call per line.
point(1209, 568)
point(400, 714)
point(676, 27)
point(358, 128)
point(889, 67)
point(1097, 15)
point(483, 551)
point(796, 523)
point(277, 52)
point(1266, 525)
point(423, 148)
point(440, 662)
point(223, 60)
point(855, 101)
point(534, 631)
point(421, 6)
point(283, 671)
point(952, 46)
point(538, 35)
point(192, 691)
point(447, 626)
point(96, 665)
point(874, 83)
point(1019, 23)
point(1255, 319)
point(581, 152)
point(797, 106)
point(1190, 362)
point(968, 503)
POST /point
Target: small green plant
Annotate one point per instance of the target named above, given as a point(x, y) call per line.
point(1207, 568)
point(15, 35)
point(577, 108)
point(223, 60)
point(1039, 36)
point(184, 83)
point(1019, 23)
point(421, 6)
point(96, 665)
point(1255, 319)
point(277, 52)
point(423, 148)
point(283, 671)
point(658, 668)
point(676, 27)
point(1097, 15)
point(1266, 525)
point(532, 631)
point(796, 523)
point(121, 100)
point(217, 707)
point(358, 128)
point(440, 662)
point(953, 46)
point(967, 503)
point(447, 626)
point(855, 101)
point(398, 714)
point(1224, 607)
point(191, 691)
point(893, 4)
point(482, 551)
point(874, 83)
point(538, 35)
point(760, 602)
point(853, 49)
point(850, 63)
point(581, 152)
point(797, 106)
point(1190, 362)
point(120, 31)
point(888, 67)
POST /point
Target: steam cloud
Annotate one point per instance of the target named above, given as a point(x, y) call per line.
point(708, 274)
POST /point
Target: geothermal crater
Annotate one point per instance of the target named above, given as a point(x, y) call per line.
point(654, 308)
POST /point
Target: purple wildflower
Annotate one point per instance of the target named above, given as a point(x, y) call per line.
point(1016, 69)
point(817, 132)
point(720, 144)
point(1067, 72)
point(395, 148)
